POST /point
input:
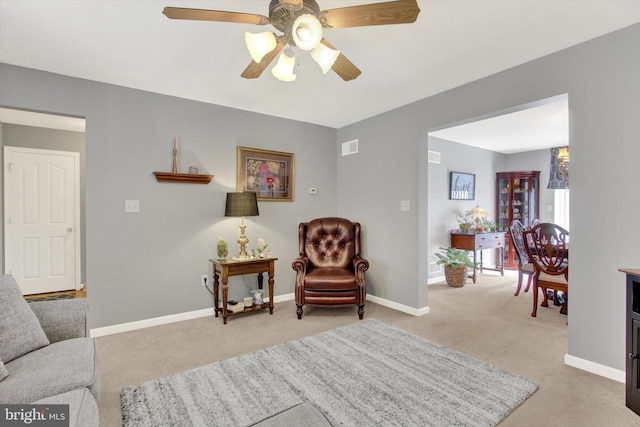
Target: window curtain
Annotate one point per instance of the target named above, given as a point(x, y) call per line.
point(559, 171)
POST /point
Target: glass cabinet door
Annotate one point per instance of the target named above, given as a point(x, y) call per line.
point(504, 206)
point(516, 198)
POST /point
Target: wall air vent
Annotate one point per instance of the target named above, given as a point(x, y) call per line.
point(434, 268)
point(434, 157)
point(350, 147)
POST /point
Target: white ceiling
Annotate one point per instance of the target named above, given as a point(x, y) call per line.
point(529, 127)
point(453, 42)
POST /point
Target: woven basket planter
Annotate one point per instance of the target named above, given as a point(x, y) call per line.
point(456, 277)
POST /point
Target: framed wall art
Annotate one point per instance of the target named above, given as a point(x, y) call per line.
point(462, 186)
point(267, 173)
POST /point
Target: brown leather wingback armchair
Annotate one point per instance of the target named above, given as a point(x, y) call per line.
point(330, 270)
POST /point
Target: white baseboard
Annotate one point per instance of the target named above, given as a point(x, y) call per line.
point(595, 368)
point(399, 307)
point(163, 320)
point(147, 323)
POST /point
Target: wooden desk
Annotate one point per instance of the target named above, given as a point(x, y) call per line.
point(478, 242)
point(233, 267)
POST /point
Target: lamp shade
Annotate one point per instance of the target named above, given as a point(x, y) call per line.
point(241, 204)
point(306, 31)
point(478, 212)
point(259, 44)
point(284, 69)
point(325, 57)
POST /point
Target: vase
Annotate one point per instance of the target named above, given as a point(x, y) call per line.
point(222, 249)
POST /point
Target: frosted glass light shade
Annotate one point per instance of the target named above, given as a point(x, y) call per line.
point(325, 57)
point(284, 69)
point(306, 31)
point(259, 44)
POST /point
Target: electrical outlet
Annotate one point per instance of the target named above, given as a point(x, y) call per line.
point(203, 279)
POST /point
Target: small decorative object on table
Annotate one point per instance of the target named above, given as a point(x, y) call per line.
point(261, 247)
point(193, 170)
point(222, 248)
point(258, 297)
point(248, 302)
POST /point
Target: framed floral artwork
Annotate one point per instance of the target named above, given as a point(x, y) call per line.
point(267, 173)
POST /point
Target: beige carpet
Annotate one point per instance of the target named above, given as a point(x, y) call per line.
point(483, 320)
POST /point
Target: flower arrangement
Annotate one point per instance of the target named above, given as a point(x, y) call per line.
point(261, 247)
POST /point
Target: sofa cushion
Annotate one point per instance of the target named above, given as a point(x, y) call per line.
point(20, 330)
point(83, 409)
point(60, 367)
point(3, 371)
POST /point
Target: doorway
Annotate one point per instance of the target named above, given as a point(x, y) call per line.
point(43, 182)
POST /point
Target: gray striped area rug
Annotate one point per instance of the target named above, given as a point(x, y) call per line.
point(364, 374)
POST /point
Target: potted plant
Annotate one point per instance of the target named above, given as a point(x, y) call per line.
point(456, 262)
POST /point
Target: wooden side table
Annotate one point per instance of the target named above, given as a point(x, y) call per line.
point(231, 267)
point(478, 242)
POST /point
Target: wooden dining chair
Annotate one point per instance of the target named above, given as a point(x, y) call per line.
point(524, 266)
point(548, 251)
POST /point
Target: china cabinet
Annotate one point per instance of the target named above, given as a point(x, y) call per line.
point(517, 198)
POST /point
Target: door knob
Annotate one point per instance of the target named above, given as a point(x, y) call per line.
point(69, 230)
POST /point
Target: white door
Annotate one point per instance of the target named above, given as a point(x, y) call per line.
point(42, 217)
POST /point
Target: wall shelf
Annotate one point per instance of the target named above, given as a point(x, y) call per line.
point(187, 178)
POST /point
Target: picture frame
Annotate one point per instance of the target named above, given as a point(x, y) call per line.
point(462, 186)
point(268, 173)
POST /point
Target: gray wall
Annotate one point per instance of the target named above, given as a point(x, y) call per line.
point(149, 264)
point(601, 80)
point(51, 139)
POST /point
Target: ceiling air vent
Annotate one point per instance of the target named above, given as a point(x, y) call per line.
point(350, 147)
point(434, 157)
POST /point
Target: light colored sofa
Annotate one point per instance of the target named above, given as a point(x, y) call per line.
point(46, 355)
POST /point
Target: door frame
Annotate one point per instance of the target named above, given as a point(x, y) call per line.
point(7, 206)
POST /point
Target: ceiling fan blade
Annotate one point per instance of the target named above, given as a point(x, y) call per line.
point(214, 15)
point(343, 67)
point(392, 12)
point(255, 69)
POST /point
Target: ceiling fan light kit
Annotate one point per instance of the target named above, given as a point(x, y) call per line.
point(306, 32)
point(284, 70)
point(302, 23)
point(325, 57)
point(260, 44)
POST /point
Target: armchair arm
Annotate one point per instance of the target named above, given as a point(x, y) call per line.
point(300, 264)
point(62, 319)
point(360, 265)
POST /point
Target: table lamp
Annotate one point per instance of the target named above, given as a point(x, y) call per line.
point(478, 213)
point(242, 204)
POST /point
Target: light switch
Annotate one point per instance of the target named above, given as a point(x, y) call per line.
point(404, 206)
point(132, 206)
point(549, 208)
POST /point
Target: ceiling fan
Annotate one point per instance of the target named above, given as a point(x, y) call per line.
point(301, 23)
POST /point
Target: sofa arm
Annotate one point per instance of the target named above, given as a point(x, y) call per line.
point(62, 319)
